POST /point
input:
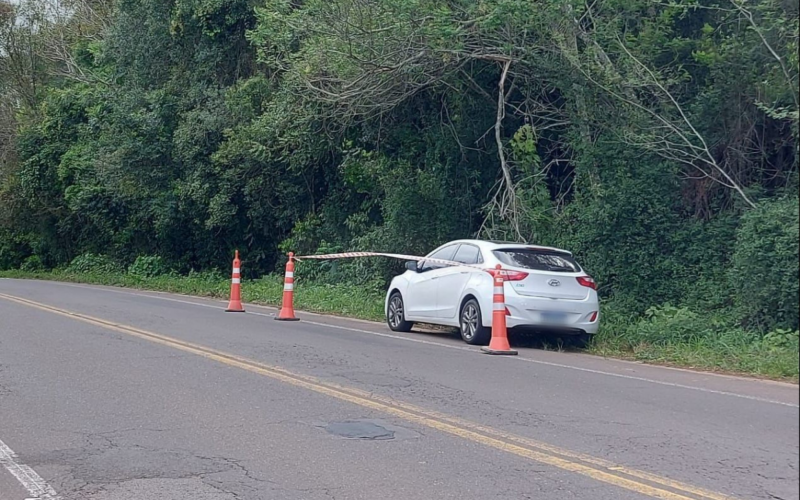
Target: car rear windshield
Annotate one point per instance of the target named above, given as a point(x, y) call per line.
point(538, 260)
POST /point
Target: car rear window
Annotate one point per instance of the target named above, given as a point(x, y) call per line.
point(538, 260)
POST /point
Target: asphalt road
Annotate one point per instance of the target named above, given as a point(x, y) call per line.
point(109, 394)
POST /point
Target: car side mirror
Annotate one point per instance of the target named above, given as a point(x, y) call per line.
point(411, 265)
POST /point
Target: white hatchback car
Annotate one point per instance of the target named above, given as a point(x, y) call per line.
point(545, 289)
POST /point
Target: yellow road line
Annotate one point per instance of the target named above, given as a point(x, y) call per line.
point(594, 468)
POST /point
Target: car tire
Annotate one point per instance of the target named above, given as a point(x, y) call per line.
point(396, 314)
point(471, 324)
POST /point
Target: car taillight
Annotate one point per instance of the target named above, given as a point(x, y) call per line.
point(593, 317)
point(509, 275)
point(514, 276)
point(587, 281)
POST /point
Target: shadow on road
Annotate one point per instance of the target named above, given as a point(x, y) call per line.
point(523, 339)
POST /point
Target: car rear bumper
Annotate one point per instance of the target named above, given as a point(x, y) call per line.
point(574, 315)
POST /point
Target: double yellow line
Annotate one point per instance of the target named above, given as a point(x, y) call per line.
point(641, 482)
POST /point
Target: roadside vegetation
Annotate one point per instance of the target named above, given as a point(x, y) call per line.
point(142, 141)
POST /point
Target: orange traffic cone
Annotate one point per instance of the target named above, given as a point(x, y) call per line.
point(287, 308)
point(235, 304)
point(499, 343)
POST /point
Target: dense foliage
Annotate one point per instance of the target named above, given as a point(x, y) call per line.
point(656, 139)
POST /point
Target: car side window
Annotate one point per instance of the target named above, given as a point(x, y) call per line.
point(468, 254)
point(446, 253)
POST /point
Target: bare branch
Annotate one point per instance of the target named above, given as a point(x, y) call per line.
point(501, 113)
point(709, 158)
point(749, 16)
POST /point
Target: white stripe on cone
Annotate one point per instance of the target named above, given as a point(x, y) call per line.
point(236, 270)
point(499, 306)
point(288, 287)
point(236, 281)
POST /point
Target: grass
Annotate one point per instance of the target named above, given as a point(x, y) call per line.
point(720, 350)
point(680, 337)
point(709, 354)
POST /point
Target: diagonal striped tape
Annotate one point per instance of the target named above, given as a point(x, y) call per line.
point(352, 255)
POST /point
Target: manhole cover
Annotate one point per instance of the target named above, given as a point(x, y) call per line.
point(359, 430)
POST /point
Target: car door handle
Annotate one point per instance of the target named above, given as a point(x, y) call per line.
point(434, 278)
point(464, 272)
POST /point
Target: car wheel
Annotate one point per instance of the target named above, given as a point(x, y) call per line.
point(472, 330)
point(396, 314)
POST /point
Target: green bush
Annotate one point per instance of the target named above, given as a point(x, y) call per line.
point(32, 264)
point(148, 266)
point(623, 232)
point(90, 263)
point(668, 324)
point(764, 273)
point(13, 250)
point(781, 339)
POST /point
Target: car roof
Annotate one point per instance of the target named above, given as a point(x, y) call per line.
point(495, 245)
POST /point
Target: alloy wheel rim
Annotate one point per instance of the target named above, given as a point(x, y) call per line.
point(469, 321)
point(395, 312)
